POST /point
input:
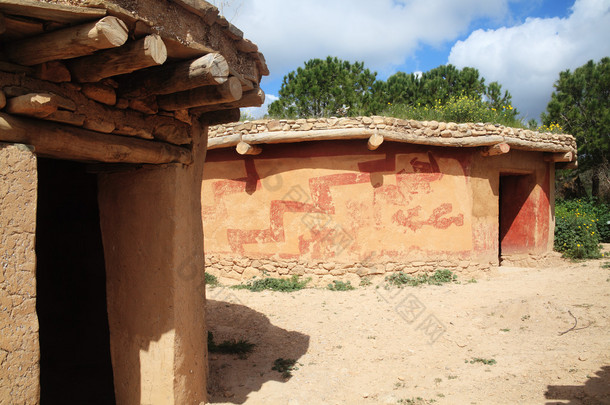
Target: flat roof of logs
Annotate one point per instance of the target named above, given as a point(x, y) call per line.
point(248, 137)
point(121, 81)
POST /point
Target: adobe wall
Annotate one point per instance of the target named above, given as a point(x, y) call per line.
point(530, 237)
point(153, 247)
point(334, 209)
point(19, 348)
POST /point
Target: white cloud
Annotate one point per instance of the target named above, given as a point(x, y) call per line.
point(259, 112)
point(527, 58)
point(382, 33)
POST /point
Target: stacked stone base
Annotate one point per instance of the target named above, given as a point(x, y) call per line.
point(531, 260)
point(235, 270)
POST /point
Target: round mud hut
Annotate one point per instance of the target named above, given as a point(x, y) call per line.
point(347, 198)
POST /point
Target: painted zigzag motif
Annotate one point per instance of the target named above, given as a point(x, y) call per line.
point(320, 191)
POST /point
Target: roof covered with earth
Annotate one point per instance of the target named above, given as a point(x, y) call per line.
point(377, 129)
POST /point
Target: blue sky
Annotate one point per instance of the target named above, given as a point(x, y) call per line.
point(523, 44)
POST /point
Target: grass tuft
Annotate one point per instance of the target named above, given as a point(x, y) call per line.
point(285, 366)
point(340, 286)
point(274, 284)
point(487, 362)
point(211, 280)
point(402, 279)
point(240, 347)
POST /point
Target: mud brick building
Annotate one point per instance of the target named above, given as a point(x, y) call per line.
point(353, 197)
point(104, 111)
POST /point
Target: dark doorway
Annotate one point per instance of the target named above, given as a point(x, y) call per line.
point(75, 365)
point(517, 214)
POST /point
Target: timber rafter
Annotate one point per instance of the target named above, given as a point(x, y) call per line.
point(114, 74)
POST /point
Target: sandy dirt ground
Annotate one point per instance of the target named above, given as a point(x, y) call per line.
point(546, 329)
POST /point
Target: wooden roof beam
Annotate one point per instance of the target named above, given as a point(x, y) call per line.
point(375, 141)
point(495, 150)
point(68, 43)
point(66, 142)
point(252, 98)
point(210, 69)
point(244, 148)
point(229, 91)
point(146, 52)
point(559, 157)
point(219, 117)
point(60, 13)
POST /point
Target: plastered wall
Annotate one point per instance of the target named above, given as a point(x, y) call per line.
point(19, 348)
point(153, 247)
point(337, 209)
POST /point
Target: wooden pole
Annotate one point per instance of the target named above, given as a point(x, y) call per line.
point(244, 148)
point(140, 54)
point(53, 71)
point(224, 141)
point(2, 24)
point(210, 69)
point(34, 105)
point(219, 117)
point(63, 142)
point(61, 13)
point(252, 98)
point(98, 117)
point(375, 140)
point(558, 157)
point(229, 91)
point(67, 43)
point(567, 165)
point(497, 149)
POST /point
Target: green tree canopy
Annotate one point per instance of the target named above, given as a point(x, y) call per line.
point(581, 105)
point(439, 85)
point(324, 88)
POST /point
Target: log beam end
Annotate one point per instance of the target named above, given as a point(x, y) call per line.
point(375, 141)
point(559, 157)
point(244, 148)
point(495, 150)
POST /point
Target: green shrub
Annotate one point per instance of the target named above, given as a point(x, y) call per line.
point(576, 228)
point(274, 284)
point(457, 109)
point(439, 277)
point(338, 285)
point(442, 276)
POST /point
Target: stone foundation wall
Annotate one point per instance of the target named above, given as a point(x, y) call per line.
point(19, 348)
point(242, 269)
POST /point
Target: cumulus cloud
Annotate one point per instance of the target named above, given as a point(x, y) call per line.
point(259, 112)
point(383, 33)
point(527, 58)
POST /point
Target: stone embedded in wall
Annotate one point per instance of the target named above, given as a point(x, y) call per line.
point(321, 272)
point(19, 348)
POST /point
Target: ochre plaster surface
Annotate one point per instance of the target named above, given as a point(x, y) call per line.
point(329, 205)
point(152, 234)
point(19, 348)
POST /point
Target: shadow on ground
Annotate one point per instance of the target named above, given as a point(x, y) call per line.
point(595, 391)
point(232, 379)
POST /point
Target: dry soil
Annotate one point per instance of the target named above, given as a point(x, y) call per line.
point(515, 336)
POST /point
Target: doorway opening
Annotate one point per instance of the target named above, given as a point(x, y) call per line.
point(75, 364)
point(517, 214)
